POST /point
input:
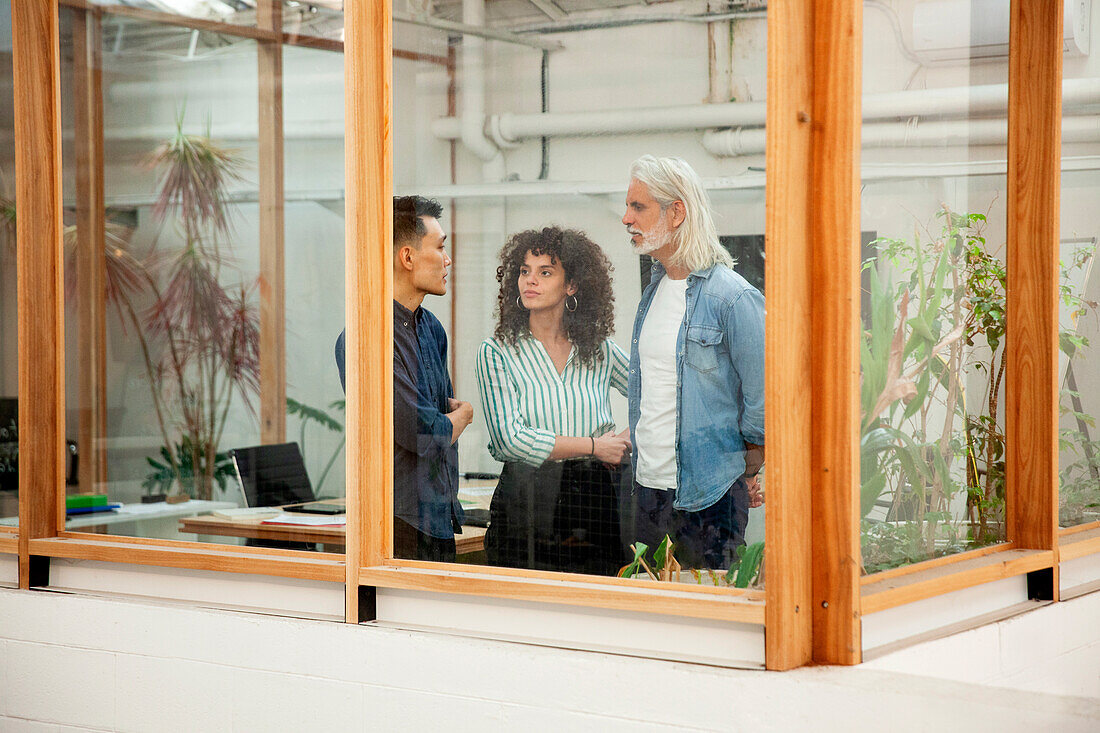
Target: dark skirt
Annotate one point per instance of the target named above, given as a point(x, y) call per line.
point(561, 516)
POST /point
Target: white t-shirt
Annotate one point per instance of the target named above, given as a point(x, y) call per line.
point(656, 430)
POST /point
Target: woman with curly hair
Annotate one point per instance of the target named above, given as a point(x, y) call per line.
point(545, 379)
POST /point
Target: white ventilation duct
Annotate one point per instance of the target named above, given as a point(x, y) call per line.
point(946, 102)
point(472, 105)
point(747, 118)
point(516, 127)
point(937, 133)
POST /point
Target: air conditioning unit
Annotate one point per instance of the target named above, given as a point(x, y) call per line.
point(964, 30)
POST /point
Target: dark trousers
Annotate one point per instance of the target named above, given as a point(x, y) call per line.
point(561, 516)
point(708, 538)
point(409, 543)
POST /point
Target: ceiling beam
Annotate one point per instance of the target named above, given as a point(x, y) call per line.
point(549, 8)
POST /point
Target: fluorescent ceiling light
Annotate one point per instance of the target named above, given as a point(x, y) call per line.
point(194, 8)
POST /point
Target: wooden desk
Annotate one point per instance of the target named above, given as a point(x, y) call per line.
point(134, 513)
point(471, 540)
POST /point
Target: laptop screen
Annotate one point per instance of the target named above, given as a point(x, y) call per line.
point(272, 475)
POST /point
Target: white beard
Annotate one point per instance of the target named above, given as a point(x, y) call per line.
point(653, 240)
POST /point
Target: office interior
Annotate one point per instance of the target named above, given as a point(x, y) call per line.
point(518, 114)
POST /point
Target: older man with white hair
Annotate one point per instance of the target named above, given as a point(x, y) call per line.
point(696, 385)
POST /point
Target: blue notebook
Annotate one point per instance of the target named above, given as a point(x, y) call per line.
point(91, 509)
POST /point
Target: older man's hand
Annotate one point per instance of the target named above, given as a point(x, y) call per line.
point(756, 492)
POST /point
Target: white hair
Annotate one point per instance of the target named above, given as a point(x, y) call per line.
point(670, 180)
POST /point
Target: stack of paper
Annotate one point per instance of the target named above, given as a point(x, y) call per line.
point(259, 512)
point(307, 520)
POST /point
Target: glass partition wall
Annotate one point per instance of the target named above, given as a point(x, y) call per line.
point(204, 290)
point(524, 132)
point(932, 437)
point(9, 354)
point(552, 244)
point(1079, 461)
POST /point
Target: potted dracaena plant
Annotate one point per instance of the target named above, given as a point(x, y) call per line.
point(191, 312)
point(205, 331)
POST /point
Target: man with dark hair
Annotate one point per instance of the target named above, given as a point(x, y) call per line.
point(427, 419)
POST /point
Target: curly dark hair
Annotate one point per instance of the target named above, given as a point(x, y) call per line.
point(585, 265)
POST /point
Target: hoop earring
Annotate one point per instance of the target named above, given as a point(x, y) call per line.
point(519, 302)
point(575, 303)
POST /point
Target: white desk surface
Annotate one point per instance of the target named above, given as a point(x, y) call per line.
point(136, 513)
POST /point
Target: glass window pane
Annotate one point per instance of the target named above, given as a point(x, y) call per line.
point(314, 102)
point(1079, 368)
point(203, 185)
point(209, 12)
point(933, 279)
point(9, 347)
point(550, 329)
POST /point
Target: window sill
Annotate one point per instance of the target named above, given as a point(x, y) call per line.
point(1087, 527)
point(920, 567)
point(889, 592)
point(722, 604)
point(195, 556)
point(1072, 545)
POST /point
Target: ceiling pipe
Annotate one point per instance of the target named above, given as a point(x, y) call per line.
point(476, 30)
point(516, 127)
point(472, 103)
point(911, 133)
point(951, 101)
point(571, 25)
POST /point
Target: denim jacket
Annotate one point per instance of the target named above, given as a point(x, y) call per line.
point(719, 381)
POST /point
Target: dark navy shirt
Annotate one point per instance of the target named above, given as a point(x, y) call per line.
point(425, 463)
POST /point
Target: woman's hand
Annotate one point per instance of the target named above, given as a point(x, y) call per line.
point(611, 448)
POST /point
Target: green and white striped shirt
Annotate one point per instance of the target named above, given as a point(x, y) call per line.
point(527, 403)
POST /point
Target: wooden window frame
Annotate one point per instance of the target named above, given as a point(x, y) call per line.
point(815, 597)
point(41, 532)
point(369, 281)
point(1034, 542)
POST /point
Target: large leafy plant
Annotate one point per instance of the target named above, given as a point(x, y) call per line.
point(932, 357)
point(912, 358)
point(308, 414)
point(164, 474)
point(1079, 498)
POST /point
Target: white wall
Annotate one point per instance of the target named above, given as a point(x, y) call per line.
point(1053, 650)
point(77, 663)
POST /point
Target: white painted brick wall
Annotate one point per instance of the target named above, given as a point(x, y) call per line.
point(1054, 649)
point(71, 662)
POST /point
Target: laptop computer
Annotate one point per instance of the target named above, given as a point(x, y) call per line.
point(272, 475)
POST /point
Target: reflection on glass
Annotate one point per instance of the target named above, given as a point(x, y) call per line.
point(211, 12)
point(933, 303)
point(1079, 469)
point(570, 324)
point(168, 349)
point(933, 369)
point(9, 355)
point(1078, 365)
point(313, 93)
